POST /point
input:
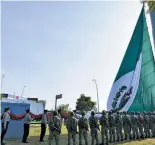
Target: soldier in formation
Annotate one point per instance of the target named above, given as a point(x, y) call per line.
point(83, 128)
point(54, 129)
point(71, 125)
point(104, 128)
point(94, 127)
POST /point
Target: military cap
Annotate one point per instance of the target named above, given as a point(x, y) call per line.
point(28, 110)
point(59, 110)
point(83, 113)
point(92, 113)
point(103, 112)
point(45, 111)
point(125, 112)
point(6, 109)
point(55, 112)
point(71, 113)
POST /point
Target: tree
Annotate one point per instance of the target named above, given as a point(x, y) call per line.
point(85, 103)
point(151, 5)
point(64, 107)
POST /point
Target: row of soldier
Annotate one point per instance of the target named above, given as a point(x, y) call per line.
point(114, 126)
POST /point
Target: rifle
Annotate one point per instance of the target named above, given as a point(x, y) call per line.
point(74, 129)
point(54, 128)
point(97, 126)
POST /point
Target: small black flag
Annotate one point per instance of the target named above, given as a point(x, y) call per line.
point(59, 96)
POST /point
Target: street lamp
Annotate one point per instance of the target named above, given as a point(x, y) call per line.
point(23, 91)
point(2, 77)
point(94, 80)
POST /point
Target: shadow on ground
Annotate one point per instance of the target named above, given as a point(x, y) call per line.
point(34, 140)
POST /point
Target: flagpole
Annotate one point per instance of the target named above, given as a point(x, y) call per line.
point(2, 77)
point(55, 102)
point(94, 80)
point(23, 91)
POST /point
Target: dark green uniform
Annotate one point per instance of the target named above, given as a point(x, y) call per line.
point(83, 129)
point(94, 126)
point(111, 122)
point(54, 129)
point(126, 125)
point(134, 126)
point(72, 128)
point(119, 124)
point(146, 125)
point(140, 125)
point(104, 128)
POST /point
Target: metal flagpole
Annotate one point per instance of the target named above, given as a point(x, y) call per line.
point(97, 93)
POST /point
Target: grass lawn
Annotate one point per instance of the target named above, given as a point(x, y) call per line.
point(35, 133)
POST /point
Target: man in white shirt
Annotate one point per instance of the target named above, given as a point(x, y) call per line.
point(5, 123)
point(43, 125)
point(27, 122)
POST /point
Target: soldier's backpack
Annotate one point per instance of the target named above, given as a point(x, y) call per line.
point(126, 120)
point(111, 120)
point(140, 119)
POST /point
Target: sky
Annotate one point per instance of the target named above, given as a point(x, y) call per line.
point(60, 47)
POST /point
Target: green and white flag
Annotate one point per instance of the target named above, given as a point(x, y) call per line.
point(134, 85)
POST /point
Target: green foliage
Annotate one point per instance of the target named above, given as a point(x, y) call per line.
point(64, 107)
point(85, 103)
point(151, 5)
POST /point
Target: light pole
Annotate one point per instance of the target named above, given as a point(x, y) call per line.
point(23, 91)
point(94, 80)
point(2, 77)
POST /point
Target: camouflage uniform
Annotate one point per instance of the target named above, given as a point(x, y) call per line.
point(126, 126)
point(72, 128)
point(119, 124)
point(140, 125)
point(153, 124)
point(150, 123)
point(94, 126)
point(146, 125)
point(134, 126)
point(104, 128)
point(59, 115)
point(83, 129)
point(111, 122)
point(55, 122)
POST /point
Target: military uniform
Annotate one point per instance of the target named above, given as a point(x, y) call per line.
point(153, 124)
point(94, 126)
point(5, 124)
point(126, 126)
point(146, 125)
point(54, 129)
point(140, 125)
point(111, 122)
point(43, 125)
point(119, 128)
point(104, 128)
point(134, 126)
point(27, 122)
point(72, 128)
point(59, 115)
point(83, 129)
